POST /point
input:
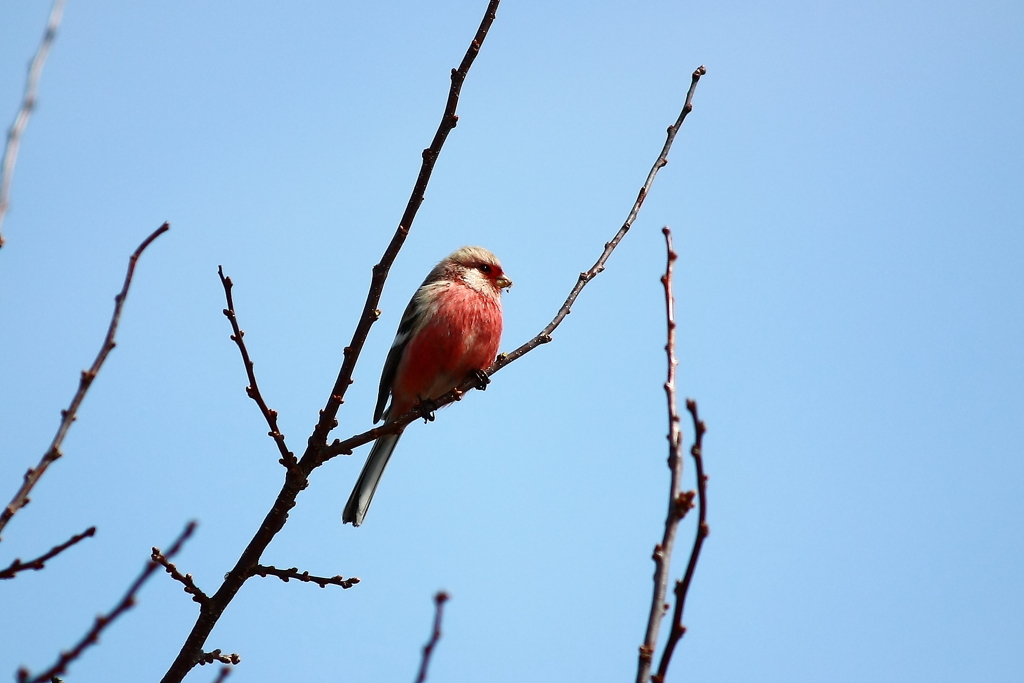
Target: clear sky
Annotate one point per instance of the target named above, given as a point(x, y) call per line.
point(847, 200)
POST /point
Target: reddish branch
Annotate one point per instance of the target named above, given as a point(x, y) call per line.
point(184, 579)
point(253, 390)
point(39, 562)
point(21, 498)
point(435, 635)
point(296, 478)
point(104, 620)
point(679, 503)
point(28, 104)
point(683, 586)
point(293, 573)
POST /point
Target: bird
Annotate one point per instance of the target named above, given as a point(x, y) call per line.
point(450, 330)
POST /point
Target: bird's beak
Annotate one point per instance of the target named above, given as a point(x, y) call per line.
point(503, 282)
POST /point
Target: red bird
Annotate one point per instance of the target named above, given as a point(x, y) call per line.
point(450, 330)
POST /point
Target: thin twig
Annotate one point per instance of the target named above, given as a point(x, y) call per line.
point(253, 390)
point(683, 586)
point(435, 635)
point(39, 562)
point(104, 620)
point(21, 498)
point(345, 447)
point(679, 503)
point(28, 103)
point(293, 573)
point(218, 656)
point(296, 478)
point(545, 335)
point(185, 579)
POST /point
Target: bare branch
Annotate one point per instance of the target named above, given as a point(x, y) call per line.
point(545, 335)
point(28, 104)
point(185, 579)
point(678, 503)
point(345, 447)
point(370, 313)
point(36, 564)
point(253, 390)
point(296, 478)
point(217, 656)
point(435, 635)
point(683, 586)
point(317, 451)
point(293, 573)
point(21, 498)
point(104, 620)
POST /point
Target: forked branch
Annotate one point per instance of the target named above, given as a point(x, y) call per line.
point(296, 477)
point(683, 587)
point(370, 313)
point(678, 503)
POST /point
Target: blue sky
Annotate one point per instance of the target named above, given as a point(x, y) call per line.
point(846, 201)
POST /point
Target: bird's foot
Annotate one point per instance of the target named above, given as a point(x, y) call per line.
point(482, 380)
point(429, 408)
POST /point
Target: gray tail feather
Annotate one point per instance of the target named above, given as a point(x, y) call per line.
point(359, 502)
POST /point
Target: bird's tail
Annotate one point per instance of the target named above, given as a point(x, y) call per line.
point(359, 502)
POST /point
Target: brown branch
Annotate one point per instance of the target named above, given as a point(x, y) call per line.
point(217, 656)
point(28, 104)
point(345, 447)
point(545, 335)
point(435, 635)
point(185, 579)
point(679, 503)
point(39, 562)
point(370, 312)
point(293, 573)
point(104, 620)
point(683, 586)
point(253, 390)
point(21, 498)
point(296, 478)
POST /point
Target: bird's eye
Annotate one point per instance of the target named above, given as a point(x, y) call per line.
point(484, 268)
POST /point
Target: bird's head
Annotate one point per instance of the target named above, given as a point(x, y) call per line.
point(479, 268)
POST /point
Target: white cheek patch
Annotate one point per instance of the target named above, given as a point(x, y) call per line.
point(476, 280)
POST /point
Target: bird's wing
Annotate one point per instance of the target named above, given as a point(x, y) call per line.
point(411, 320)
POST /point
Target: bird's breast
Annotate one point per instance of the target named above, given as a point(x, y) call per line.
point(461, 334)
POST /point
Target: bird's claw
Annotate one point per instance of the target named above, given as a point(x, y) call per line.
point(429, 408)
point(482, 380)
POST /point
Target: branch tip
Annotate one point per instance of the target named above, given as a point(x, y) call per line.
point(68, 415)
